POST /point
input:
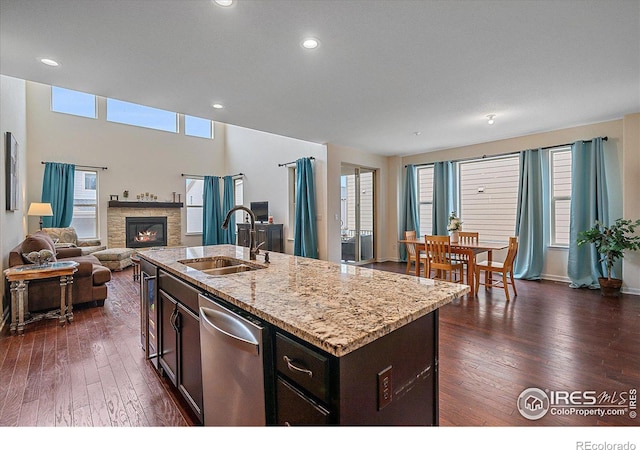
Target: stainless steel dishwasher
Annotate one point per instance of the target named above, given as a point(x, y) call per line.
point(232, 366)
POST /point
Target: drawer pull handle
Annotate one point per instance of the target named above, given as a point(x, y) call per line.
point(294, 368)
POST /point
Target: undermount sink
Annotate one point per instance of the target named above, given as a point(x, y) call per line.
point(220, 265)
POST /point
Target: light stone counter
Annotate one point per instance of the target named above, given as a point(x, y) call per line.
point(336, 307)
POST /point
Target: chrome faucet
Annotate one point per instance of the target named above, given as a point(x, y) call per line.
point(253, 248)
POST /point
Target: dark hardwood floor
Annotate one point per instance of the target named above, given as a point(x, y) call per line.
point(93, 373)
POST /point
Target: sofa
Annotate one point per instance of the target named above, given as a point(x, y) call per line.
point(89, 282)
point(67, 237)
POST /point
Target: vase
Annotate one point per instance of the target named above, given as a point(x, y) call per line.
point(454, 237)
point(610, 287)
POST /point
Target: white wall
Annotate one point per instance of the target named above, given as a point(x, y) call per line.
point(257, 155)
point(138, 159)
point(631, 195)
point(13, 120)
point(623, 151)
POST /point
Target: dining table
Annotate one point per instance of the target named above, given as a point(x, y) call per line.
point(468, 249)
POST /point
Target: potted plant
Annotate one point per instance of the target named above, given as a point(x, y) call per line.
point(611, 242)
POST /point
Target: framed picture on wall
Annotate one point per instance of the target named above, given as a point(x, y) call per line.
point(11, 162)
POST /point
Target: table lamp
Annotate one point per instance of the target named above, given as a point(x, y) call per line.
point(40, 209)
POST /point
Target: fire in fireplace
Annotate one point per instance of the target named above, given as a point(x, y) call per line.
point(146, 231)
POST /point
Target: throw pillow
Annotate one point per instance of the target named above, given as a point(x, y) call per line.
point(36, 242)
point(67, 234)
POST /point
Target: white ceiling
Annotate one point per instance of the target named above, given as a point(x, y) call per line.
point(384, 69)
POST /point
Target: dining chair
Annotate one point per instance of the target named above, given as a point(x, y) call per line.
point(440, 260)
point(412, 253)
point(466, 237)
point(505, 268)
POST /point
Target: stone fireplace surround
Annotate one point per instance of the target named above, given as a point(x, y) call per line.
point(117, 213)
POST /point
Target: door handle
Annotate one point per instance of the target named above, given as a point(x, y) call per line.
point(173, 319)
point(215, 322)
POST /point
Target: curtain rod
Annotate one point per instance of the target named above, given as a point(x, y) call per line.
point(606, 138)
point(292, 162)
point(77, 165)
point(202, 176)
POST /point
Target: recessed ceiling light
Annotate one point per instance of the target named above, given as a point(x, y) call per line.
point(417, 133)
point(49, 62)
point(224, 2)
point(490, 117)
point(217, 106)
point(310, 43)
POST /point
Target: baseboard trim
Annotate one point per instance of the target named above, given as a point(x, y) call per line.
point(549, 277)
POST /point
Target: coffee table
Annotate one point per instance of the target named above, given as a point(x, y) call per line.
point(19, 278)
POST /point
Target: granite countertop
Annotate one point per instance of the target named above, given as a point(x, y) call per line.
point(336, 307)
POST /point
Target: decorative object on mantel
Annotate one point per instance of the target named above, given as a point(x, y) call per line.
point(125, 194)
point(40, 258)
point(147, 197)
point(144, 204)
point(113, 197)
point(455, 225)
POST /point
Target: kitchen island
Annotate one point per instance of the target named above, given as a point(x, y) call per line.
point(370, 335)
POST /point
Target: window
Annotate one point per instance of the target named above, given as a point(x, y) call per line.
point(141, 116)
point(488, 193)
point(90, 180)
point(238, 197)
point(85, 210)
point(194, 203)
point(425, 198)
point(560, 192)
point(195, 126)
point(73, 102)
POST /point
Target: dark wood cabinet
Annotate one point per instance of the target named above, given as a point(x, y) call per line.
point(179, 355)
point(390, 381)
point(168, 354)
point(271, 235)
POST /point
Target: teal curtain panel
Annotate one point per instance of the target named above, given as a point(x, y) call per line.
point(530, 224)
point(589, 203)
point(57, 189)
point(211, 212)
point(443, 197)
point(305, 241)
point(410, 217)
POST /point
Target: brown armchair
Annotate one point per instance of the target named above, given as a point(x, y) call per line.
point(89, 282)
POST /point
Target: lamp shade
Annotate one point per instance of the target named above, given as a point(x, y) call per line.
point(40, 209)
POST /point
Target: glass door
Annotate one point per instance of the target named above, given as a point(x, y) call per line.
point(357, 187)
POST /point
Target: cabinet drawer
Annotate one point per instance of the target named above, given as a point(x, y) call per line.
point(179, 290)
point(296, 409)
point(304, 366)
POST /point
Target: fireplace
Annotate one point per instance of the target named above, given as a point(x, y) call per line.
point(146, 232)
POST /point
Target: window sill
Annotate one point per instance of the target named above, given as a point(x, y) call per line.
point(558, 247)
point(194, 234)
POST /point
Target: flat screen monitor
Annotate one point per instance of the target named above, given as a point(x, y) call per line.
point(261, 211)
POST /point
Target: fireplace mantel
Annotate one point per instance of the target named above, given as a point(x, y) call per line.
point(118, 204)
